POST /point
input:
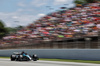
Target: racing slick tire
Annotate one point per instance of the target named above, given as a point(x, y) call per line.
point(13, 57)
point(35, 58)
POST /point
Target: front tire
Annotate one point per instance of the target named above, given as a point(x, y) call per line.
point(35, 58)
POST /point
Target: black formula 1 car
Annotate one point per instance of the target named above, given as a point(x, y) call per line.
point(18, 56)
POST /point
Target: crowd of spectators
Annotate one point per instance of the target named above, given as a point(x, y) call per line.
point(83, 20)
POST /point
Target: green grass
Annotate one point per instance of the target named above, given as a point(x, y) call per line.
point(5, 57)
point(65, 60)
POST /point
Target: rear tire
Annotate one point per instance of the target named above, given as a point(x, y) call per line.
point(12, 57)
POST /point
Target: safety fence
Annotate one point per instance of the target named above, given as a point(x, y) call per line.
point(77, 54)
point(74, 43)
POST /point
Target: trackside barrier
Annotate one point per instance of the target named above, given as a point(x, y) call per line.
point(79, 54)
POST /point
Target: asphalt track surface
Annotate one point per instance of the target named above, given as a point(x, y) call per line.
point(7, 62)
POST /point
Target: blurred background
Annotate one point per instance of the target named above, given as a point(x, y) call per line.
point(50, 24)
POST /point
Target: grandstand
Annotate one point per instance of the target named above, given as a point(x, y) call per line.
point(77, 27)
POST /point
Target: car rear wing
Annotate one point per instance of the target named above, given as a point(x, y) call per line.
point(17, 53)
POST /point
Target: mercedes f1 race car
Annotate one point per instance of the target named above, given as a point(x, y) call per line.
point(21, 56)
